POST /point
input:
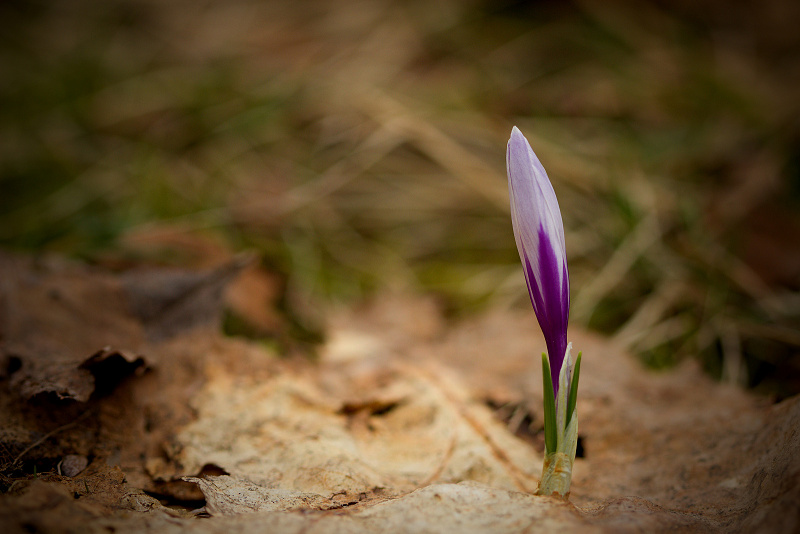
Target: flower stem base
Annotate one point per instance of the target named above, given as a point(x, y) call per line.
point(556, 475)
point(560, 426)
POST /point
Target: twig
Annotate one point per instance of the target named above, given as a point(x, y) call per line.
point(636, 243)
point(45, 438)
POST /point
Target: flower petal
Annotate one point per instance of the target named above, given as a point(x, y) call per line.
point(539, 234)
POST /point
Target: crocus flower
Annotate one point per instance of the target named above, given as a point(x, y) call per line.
point(539, 233)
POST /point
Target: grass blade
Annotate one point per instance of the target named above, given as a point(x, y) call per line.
point(573, 388)
point(550, 437)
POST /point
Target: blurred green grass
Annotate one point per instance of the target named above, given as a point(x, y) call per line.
point(359, 147)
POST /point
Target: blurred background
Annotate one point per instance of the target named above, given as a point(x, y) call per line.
point(358, 147)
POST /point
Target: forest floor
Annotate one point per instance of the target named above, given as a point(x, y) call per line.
point(126, 410)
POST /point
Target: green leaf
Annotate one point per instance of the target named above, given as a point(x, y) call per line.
point(573, 388)
point(550, 435)
point(571, 438)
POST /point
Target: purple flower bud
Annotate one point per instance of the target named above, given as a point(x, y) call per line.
point(539, 233)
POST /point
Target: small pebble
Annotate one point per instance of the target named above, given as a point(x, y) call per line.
point(72, 464)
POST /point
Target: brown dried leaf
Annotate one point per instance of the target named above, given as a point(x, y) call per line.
point(292, 433)
point(56, 317)
point(252, 295)
point(66, 326)
point(226, 495)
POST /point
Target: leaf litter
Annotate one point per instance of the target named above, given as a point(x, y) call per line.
point(404, 422)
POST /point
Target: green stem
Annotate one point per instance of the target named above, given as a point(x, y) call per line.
point(550, 437)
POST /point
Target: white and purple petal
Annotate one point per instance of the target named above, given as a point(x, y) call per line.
point(539, 233)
